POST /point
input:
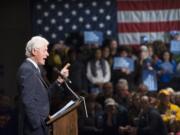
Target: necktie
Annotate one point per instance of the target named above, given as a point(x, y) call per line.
point(41, 78)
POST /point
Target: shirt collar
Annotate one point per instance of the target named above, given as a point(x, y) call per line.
point(33, 62)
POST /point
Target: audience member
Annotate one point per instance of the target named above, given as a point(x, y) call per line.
point(93, 125)
point(98, 70)
point(107, 92)
point(150, 121)
point(166, 67)
point(122, 93)
point(77, 70)
point(115, 117)
point(169, 111)
point(126, 66)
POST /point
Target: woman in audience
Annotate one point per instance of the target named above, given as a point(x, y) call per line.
point(106, 54)
point(166, 70)
point(123, 66)
point(98, 70)
point(145, 71)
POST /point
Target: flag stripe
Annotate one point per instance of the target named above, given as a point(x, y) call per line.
point(149, 27)
point(148, 16)
point(148, 5)
point(134, 38)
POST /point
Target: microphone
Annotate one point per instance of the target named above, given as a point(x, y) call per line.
point(62, 76)
point(67, 80)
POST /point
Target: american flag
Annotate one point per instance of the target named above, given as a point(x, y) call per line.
point(56, 19)
point(128, 20)
point(151, 18)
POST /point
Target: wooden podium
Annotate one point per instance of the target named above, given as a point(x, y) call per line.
point(66, 122)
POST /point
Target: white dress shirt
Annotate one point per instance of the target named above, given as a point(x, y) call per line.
point(34, 63)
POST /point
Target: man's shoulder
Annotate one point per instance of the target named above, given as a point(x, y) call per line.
point(174, 107)
point(152, 110)
point(26, 67)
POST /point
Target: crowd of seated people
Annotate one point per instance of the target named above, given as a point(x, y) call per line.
point(119, 100)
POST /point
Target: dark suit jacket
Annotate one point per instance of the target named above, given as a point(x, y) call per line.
point(151, 123)
point(34, 103)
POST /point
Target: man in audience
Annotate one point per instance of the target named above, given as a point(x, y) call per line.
point(114, 118)
point(169, 111)
point(150, 121)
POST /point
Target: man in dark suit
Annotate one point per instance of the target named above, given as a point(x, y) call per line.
point(150, 120)
point(34, 92)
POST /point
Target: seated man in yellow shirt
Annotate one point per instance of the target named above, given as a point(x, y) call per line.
point(169, 112)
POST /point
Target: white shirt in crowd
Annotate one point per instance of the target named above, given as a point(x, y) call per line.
point(99, 78)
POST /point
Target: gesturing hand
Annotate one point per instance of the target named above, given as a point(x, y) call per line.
point(64, 73)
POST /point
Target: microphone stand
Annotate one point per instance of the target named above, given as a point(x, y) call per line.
point(84, 102)
point(78, 97)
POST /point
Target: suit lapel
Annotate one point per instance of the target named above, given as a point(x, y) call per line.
point(38, 74)
point(42, 80)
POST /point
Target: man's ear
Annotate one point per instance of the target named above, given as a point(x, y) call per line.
point(34, 52)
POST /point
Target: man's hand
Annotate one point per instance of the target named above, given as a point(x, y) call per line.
point(64, 72)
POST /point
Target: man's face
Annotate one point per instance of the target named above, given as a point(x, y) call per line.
point(111, 109)
point(144, 103)
point(40, 55)
point(164, 99)
point(108, 89)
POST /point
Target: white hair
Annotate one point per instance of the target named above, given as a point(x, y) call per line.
point(145, 98)
point(33, 43)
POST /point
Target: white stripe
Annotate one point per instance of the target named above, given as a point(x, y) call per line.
point(134, 38)
point(149, 16)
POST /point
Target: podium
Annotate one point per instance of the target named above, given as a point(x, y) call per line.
point(65, 122)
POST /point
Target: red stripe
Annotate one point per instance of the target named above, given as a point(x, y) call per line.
point(148, 5)
point(135, 47)
point(149, 27)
